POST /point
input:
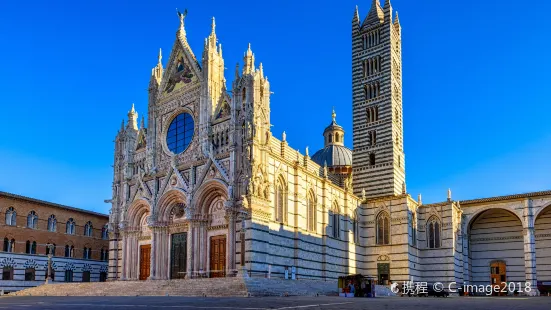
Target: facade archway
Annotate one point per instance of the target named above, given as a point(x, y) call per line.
point(134, 238)
point(211, 235)
point(496, 235)
point(542, 229)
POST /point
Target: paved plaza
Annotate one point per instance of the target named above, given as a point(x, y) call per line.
point(409, 303)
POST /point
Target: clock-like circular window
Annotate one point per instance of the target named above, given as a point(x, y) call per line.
point(180, 133)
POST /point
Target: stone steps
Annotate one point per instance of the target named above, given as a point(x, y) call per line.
point(212, 287)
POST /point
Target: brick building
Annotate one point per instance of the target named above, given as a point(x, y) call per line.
point(79, 237)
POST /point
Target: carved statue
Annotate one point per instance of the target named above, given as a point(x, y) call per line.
point(182, 16)
point(251, 187)
point(230, 192)
point(266, 189)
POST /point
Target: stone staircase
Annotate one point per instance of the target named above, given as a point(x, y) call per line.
point(210, 287)
point(221, 287)
point(280, 287)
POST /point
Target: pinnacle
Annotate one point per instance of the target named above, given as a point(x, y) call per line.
point(213, 25)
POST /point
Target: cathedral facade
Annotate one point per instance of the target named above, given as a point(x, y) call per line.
point(206, 189)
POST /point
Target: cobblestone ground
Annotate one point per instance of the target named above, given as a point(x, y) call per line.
point(84, 303)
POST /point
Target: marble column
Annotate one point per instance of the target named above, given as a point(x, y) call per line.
point(189, 250)
point(530, 261)
point(196, 248)
point(466, 263)
point(202, 246)
point(231, 244)
point(153, 262)
point(529, 249)
point(124, 257)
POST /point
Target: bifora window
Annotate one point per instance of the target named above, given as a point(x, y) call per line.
point(180, 133)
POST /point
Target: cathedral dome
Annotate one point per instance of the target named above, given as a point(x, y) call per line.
point(334, 155)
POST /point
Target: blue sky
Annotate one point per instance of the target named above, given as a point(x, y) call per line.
point(476, 86)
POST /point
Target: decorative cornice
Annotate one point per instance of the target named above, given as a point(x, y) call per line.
point(508, 197)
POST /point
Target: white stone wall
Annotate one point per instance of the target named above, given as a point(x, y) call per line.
point(40, 263)
point(543, 246)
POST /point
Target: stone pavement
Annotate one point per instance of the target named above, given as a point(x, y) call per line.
point(261, 303)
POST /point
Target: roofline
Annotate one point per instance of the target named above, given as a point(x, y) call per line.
point(15, 196)
point(507, 197)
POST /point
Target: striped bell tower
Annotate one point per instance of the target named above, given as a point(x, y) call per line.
point(378, 155)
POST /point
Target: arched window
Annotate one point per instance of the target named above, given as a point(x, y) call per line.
point(87, 253)
point(372, 159)
point(30, 247)
point(70, 227)
point(32, 220)
point(88, 229)
point(7, 273)
point(311, 212)
point(433, 233)
point(336, 221)
point(52, 223)
point(86, 276)
point(330, 138)
point(281, 201)
point(11, 216)
point(104, 233)
point(383, 228)
point(68, 276)
point(366, 92)
point(29, 274)
point(9, 245)
point(104, 254)
point(69, 251)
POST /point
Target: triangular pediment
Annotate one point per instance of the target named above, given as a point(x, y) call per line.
point(182, 70)
point(223, 110)
point(141, 140)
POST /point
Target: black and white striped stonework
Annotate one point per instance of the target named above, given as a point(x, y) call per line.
point(378, 165)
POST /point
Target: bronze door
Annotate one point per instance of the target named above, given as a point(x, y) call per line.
point(498, 276)
point(178, 256)
point(145, 261)
point(218, 256)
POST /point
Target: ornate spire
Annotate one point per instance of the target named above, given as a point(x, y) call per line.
point(449, 194)
point(248, 67)
point(142, 123)
point(236, 70)
point(133, 118)
point(356, 17)
point(261, 70)
point(213, 26)
point(284, 136)
point(396, 20)
point(334, 116)
point(419, 200)
point(160, 56)
point(157, 71)
point(375, 14)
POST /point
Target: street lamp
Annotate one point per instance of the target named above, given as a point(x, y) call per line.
point(51, 248)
